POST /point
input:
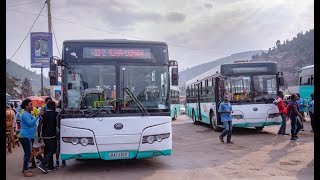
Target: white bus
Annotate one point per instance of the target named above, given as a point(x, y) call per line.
point(251, 87)
point(306, 82)
point(175, 102)
point(115, 99)
point(174, 92)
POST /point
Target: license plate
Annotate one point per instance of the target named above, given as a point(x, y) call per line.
point(255, 124)
point(119, 155)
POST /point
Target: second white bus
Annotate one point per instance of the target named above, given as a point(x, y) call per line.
point(251, 87)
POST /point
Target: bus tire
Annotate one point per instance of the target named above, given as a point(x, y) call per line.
point(174, 114)
point(214, 124)
point(194, 118)
point(259, 128)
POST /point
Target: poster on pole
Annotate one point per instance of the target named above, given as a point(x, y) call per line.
point(41, 49)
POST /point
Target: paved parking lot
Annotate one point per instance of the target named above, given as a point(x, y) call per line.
point(198, 154)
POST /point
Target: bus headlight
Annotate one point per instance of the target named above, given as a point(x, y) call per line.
point(84, 141)
point(152, 138)
point(273, 115)
point(74, 141)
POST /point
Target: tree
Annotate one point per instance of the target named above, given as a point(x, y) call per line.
point(12, 86)
point(26, 88)
point(278, 43)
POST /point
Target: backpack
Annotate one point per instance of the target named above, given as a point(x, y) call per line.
point(286, 110)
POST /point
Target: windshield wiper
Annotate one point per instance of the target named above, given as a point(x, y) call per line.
point(94, 113)
point(134, 98)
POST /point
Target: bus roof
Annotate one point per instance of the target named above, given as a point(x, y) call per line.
point(206, 74)
point(115, 41)
point(252, 62)
point(307, 67)
point(217, 69)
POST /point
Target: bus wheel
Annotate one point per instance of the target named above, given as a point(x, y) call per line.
point(214, 124)
point(194, 119)
point(174, 114)
point(259, 128)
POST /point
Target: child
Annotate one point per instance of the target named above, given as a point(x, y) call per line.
point(37, 148)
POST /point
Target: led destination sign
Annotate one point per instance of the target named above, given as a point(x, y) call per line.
point(116, 53)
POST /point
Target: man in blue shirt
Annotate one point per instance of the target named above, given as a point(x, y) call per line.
point(301, 107)
point(225, 110)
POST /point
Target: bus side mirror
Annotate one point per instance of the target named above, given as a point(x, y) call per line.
point(53, 74)
point(174, 76)
point(281, 81)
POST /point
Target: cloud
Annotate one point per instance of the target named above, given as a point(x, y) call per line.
point(175, 17)
point(203, 27)
point(208, 5)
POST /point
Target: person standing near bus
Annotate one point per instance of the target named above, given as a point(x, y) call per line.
point(27, 134)
point(225, 110)
point(49, 125)
point(311, 111)
point(301, 108)
point(279, 102)
point(296, 124)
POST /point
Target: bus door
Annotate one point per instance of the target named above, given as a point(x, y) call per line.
point(198, 101)
point(218, 95)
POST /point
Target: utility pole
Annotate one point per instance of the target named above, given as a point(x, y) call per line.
point(49, 30)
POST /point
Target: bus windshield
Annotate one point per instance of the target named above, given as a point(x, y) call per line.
point(92, 87)
point(149, 84)
point(246, 88)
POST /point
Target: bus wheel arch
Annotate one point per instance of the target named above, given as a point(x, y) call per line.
point(259, 128)
point(194, 118)
point(213, 122)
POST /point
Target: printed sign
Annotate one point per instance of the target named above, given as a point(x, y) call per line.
point(41, 49)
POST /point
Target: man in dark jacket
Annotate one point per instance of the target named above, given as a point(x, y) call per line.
point(49, 125)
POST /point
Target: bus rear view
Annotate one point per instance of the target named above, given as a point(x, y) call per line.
point(115, 101)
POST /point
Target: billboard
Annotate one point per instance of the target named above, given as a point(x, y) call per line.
point(41, 49)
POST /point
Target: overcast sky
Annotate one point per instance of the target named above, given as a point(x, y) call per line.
point(207, 29)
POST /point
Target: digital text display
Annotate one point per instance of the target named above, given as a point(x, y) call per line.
point(116, 53)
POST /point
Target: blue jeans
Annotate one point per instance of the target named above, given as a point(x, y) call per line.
point(227, 130)
point(296, 125)
point(282, 129)
point(27, 148)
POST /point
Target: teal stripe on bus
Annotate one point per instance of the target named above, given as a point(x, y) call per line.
point(105, 155)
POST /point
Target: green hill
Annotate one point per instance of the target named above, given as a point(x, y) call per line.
point(291, 56)
point(19, 72)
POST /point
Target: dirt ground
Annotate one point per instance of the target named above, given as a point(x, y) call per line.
point(198, 154)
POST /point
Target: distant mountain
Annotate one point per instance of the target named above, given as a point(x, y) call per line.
point(190, 73)
point(291, 56)
point(15, 70)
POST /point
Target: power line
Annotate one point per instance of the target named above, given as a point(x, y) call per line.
point(27, 33)
point(23, 3)
point(112, 32)
point(55, 39)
